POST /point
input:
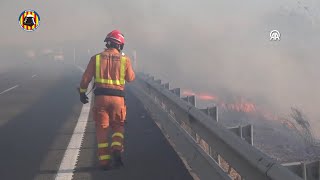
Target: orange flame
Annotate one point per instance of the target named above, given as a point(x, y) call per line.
point(206, 97)
point(188, 93)
point(241, 105)
point(202, 96)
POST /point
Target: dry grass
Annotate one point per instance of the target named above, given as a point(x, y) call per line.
point(228, 169)
point(223, 164)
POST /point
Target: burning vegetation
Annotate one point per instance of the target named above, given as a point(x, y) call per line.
point(301, 124)
point(295, 121)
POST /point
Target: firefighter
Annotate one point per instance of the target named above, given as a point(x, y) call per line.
point(111, 69)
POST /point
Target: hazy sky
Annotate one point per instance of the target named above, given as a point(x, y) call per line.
point(201, 45)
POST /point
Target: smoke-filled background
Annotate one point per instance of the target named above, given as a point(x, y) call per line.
point(219, 47)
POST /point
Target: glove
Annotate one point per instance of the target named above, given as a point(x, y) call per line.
point(84, 98)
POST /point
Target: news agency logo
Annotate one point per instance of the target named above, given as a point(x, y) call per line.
point(275, 35)
point(29, 20)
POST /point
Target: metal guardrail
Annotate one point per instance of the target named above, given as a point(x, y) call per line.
point(209, 136)
point(306, 170)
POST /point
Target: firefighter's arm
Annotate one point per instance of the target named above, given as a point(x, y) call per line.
point(87, 76)
point(130, 75)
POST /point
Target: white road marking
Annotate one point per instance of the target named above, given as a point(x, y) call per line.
point(71, 155)
point(33, 76)
point(9, 89)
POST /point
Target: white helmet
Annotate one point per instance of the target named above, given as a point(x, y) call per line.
point(29, 15)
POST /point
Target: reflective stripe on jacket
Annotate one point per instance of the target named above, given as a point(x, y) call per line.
point(100, 79)
point(110, 69)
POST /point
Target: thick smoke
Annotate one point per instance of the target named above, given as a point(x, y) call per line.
point(211, 46)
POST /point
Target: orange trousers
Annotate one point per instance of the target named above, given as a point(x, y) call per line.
point(109, 114)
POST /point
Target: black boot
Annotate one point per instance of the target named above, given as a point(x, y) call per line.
point(117, 160)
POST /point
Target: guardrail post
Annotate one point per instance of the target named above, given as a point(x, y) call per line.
point(298, 168)
point(176, 91)
point(166, 85)
point(212, 112)
point(236, 130)
point(313, 170)
point(247, 133)
point(304, 170)
point(191, 100)
point(307, 171)
point(244, 132)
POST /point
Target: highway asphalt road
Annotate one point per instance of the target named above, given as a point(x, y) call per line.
point(39, 109)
